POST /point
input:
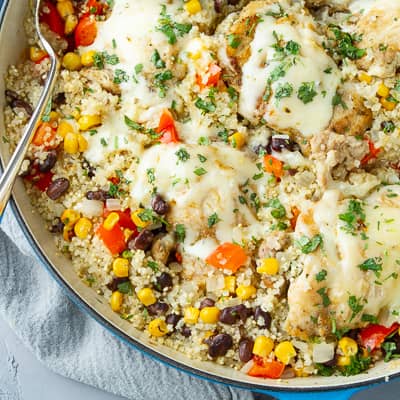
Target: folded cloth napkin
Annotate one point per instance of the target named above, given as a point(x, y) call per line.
point(73, 344)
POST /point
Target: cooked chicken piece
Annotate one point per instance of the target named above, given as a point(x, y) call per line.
point(335, 4)
point(351, 117)
point(379, 28)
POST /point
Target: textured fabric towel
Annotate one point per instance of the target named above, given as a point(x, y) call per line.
point(73, 344)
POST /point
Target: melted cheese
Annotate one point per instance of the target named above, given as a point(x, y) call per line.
point(289, 113)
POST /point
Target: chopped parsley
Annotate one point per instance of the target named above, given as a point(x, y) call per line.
point(283, 90)
point(369, 318)
point(180, 233)
point(389, 348)
point(324, 296)
point(224, 135)
point(170, 28)
point(345, 44)
point(182, 154)
point(337, 100)
point(159, 81)
point(355, 306)
point(125, 288)
point(202, 158)
point(321, 276)
point(157, 60)
point(308, 245)
point(233, 95)
point(234, 41)
point(200, 171)
point(357, 365)
point(213, 219)
point(278, 210)
point(276, 14)
point(153, 265)
point(102, 58)
point(388, 126)
point(150, 175)
point(203, 141)
point(120, 76)
point(372, 264)
point(138, 68)
point(205, 106)
point(354, 217)
point(306, 92)
point(140, 128)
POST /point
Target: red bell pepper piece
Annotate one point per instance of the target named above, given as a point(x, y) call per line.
point(373, 153)
point(94, 7)
point(166, 127)
point(227, 256)
point(268, 369)
point(210, 78)
point(125, 220)
point(114, 239)
point(86, 31)
point(52, 18)
point(41, 180)
point(374, 335)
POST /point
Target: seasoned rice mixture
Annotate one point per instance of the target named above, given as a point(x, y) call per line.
point(226, 173)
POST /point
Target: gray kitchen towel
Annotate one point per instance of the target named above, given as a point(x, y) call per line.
point(73, 344)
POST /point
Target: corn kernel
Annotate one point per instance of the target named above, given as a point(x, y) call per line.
point(82, 143)
point(116, 301)
point(121, 267)
point(70, 24)
point(263, 346)
point(193, 6)
point(348, 346)
point(71, 61)
point(135, 216)
point(70, 217)
point(364, 77)
point(157, 327)
point(110, 221)
point(191, 315)
point(63, 128)
point(71, 145)
point(268, 266)
point(76, 114)
point(36, 54)
point(209, 315)
point(383, 90)
point(65, 8)
point(284, 352)
point(301, 372)
point(388, 105)
point(87, 122)
point(237, 140)
point(244, 292)
point(127, 234)
point(343, 361)
point(54, 116)
point(82, 228)
point(87, 58)
point(146, 296)
point(230, 283)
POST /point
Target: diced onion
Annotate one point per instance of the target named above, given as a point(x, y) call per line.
point(113, 204)
point(215, 283)
point(323, 352)
point(247, 367)
point(90, 208)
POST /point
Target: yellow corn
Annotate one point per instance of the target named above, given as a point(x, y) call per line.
point(87, 122)
point(54, 116)
point(237, 140)
point(70, 217)
point(157, 327)
point(193, 6)
point(111, 221)
point(196, 49)
point(146, 296)
point(342, 361)
point(65, 8)
point(209, 315)
point(116, 301)
point(70, 24)
point(301, 373)
point(76, 114)
point(82, 228)
point(191, 315)
point(230, 283)
point(244, 292)
point(348, 346)
point(121, 267)
point(71, 61)
point(137, 220)
point(36, 54)
point(82, 143)
point(63, 128)
point(268, 266)
point(263, 346)
point(388, 105)
point(127, 234)
point(383, 90)
point(87, 58)
point(364, 77)
point(284, 352)
point(71, 145)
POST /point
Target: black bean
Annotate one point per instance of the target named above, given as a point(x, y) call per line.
point(246, 349)
point(260, 149)
point(100, 195)
point(57, 226)
point(164, 281)
point(207, 303)
point(331, 363)
point(15, 101)
point(172, 319)
point(186, 331)
point(219, 344)
point(353, 334)
point(218, 4)
point(113, 285)
point(159, 205)
point(90, 170)
point(59, 99)
point(143, 241)
point(57, 188)
point(233, 2)
point(279, 143)
point(263, 316)
point(231, 315)
point(49, 161)
point(158, 308)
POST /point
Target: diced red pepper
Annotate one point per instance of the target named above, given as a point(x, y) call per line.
point(45, 133)
point(114, 239)
point(374, 335)
point(166, 127)
point(94, 7)
point(227, 256)
point(125, 220)
point(52, 18)
point(373, 153)
point(210, 78)
point(41, 180)
point(293, 220)
point(86, 31)
point(268, 369)
point(273, 166)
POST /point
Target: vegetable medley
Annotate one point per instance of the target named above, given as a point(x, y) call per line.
point(225, 173)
